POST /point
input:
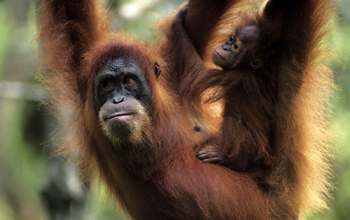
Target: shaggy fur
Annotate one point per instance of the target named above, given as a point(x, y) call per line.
point(158, 175)
point(275, 120)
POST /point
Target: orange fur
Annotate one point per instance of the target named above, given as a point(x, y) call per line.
point(159, 176)
point(298, 182)
point(155, 176)
point(301, 177)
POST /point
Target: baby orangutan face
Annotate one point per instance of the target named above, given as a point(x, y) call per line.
point(226, 55)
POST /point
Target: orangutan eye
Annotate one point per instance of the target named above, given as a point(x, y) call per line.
point(235, 46)
point(230, 39)
point(129, 80)
point(107, 84)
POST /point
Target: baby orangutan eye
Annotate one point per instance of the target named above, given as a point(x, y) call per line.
point(230, 39)
point(235, 46)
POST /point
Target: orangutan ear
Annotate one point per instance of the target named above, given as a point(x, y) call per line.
point(256, 64)
point(157, 69)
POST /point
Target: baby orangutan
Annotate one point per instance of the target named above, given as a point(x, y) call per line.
point(248, 103)
point(247, 82)
point(230, 55)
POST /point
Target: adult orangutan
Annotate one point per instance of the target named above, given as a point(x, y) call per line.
point(136, 126)
point(128, 122)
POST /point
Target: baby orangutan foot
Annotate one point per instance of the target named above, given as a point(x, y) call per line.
point(211, 154)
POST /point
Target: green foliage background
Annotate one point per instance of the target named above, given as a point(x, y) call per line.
point(24, 127)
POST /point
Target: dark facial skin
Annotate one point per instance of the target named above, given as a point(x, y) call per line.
point(226, 55)
point(123, 98)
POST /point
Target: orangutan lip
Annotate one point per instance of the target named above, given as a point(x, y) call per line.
point(218, 55)
point(121, 114)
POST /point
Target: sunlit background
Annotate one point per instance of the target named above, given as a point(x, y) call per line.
point(32, 183)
